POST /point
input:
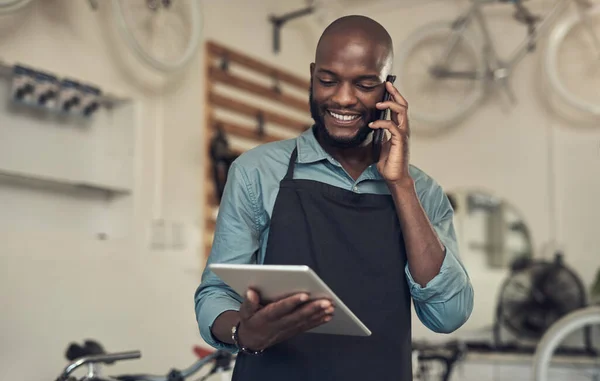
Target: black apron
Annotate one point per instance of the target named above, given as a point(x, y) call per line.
point(354, 243)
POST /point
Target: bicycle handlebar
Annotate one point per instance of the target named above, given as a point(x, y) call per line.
point(177, 374)
point(199, 364)
point(104, 358)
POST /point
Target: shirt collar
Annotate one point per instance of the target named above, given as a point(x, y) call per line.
point(310, 151)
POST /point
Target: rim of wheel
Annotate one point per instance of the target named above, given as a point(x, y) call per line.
point(442, 122)
point(189, 52)
point(556, 334)
point(8, 6)
point(556, 38)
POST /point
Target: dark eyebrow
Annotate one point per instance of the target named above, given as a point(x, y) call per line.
point(374, 78)
point(368, 77)
point(325, 71)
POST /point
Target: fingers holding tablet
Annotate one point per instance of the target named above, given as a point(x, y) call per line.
point(314, 312)
point(251, 304)
point(261, 327)
point(285, 306)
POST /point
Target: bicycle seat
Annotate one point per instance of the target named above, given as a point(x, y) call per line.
point(89, 348)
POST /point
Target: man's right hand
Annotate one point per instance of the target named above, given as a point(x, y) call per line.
point(264, 326)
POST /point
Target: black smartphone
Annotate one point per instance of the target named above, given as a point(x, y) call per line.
point(378, 134)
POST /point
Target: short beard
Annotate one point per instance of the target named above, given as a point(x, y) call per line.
point(332, 141)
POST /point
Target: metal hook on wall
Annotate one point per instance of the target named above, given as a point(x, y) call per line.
point(261, 124)
point(279, 21)
point(219, 145)
point(222, 158)
point(224, 65)
point(276, 85)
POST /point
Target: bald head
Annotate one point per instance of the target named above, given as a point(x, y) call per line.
point(353, 58)
point(357, 30)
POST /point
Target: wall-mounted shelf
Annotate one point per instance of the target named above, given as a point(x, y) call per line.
point(63, 170)
point(106, 99)
point(37, 181)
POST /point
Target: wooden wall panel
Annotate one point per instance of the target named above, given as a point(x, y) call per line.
point(252, 102)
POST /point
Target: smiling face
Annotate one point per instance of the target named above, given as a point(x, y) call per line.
point(347, 80)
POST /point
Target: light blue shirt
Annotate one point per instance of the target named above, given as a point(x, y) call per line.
point(242, 229)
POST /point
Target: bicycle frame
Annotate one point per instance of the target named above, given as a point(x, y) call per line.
point(494, 63)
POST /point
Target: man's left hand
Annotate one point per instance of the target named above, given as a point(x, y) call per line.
point(394, 160)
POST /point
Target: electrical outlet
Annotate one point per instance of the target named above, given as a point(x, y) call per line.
point(158, 235)
point(168, 235)
point(177, 236)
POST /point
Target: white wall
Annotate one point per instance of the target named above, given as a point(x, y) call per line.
point(62, 287)
point(59, 287)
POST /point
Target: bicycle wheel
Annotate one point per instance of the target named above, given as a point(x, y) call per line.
point(552, 339)
point(8, 6)
point(436, 102)
point(155, 30)
point(572, 62)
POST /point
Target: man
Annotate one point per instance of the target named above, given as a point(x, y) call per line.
point(376, 233)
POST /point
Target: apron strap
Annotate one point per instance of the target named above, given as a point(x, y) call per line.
point(292, 164)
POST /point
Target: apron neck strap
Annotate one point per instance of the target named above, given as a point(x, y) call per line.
point(290, 172)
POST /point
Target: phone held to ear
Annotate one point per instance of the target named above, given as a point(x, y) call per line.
point(378, 134)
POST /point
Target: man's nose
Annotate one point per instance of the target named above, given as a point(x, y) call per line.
point(344, 95)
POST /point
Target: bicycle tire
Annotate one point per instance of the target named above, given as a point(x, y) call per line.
point(555, 40)
point(438, 123)
point(134, 45)
point(9, 6)
point(557, 332)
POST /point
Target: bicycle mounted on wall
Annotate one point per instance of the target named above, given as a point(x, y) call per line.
point(460, 61)
point(148, 29)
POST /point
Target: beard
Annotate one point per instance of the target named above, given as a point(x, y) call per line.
point(317, 113)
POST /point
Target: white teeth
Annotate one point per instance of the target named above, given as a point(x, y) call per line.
point(343, 117)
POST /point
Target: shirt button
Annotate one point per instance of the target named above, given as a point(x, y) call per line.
point(355, 188)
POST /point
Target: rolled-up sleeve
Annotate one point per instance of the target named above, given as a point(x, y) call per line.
point(446, 302)
point(236, 240)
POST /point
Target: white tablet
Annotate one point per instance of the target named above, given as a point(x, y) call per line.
point(276, 281)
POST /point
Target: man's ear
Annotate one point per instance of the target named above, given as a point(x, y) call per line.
point(312, 69)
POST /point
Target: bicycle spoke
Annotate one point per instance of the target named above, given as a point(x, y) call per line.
point(176, 27)
point(449, 85)
point(591, 33)
point(578, 63)
point(444, 93)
